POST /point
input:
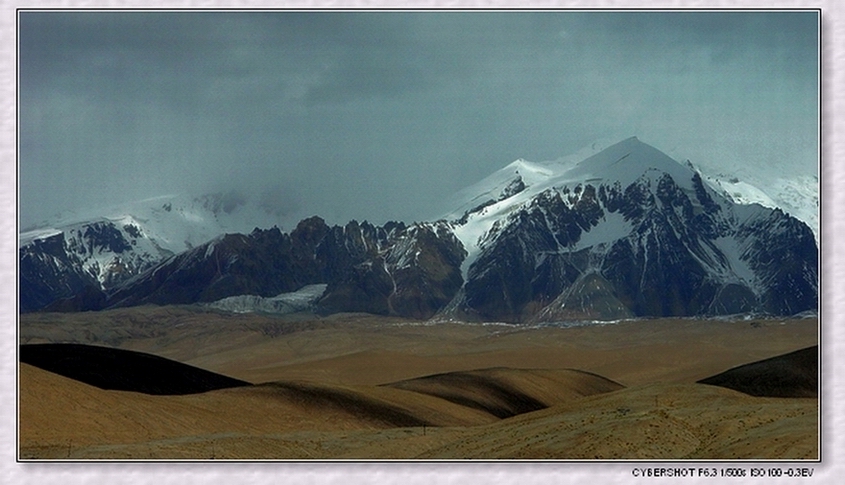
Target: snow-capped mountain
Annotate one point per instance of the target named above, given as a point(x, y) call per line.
point(612, 232)
point(103, 248)
point(798, 196)
point(626, 231)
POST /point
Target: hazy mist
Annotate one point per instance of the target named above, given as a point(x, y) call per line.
point(382, 116)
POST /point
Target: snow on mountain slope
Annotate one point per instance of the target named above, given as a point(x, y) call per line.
point(115, 243)
point(481, 205)
point(298, 301)
point(533, 174)
point(622, 162)
point(631, 229)
point(175, 222)
point(798, 196)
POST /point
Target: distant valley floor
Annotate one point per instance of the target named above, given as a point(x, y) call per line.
point(356, 386)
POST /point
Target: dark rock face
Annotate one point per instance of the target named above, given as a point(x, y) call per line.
point(783, 251)
point(363, 287)
point(681, 254)
point(258, 263)
point(426, 271)
point(392, 270)
point(49, 272)
point(104, 235)
point(591, 297)
point(523, 270)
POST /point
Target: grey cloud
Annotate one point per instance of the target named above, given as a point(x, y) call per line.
point(380, 115)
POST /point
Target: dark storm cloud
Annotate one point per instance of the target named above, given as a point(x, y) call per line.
point(381, 115)
point(184, 55)
point(784, 41)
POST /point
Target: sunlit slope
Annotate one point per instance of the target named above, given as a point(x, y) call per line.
point(365, 387)
point(683, 421)
point(64, 418)
point(311, 421)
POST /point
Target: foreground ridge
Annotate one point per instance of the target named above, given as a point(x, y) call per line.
point(449, 392)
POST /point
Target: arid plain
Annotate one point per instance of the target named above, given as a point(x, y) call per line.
point(354, 386)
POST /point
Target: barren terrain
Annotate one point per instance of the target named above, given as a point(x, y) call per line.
point(361, 387)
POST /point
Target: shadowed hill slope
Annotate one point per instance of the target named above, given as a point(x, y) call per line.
point(357, 404)
point(271, 420)
point(124, 370)
point(505, 392)
point(795, 374)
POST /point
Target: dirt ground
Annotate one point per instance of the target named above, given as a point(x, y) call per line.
point(364, 387)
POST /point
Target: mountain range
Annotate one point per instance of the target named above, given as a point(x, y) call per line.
point(606, 234)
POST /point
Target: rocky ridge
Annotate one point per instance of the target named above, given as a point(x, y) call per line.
point(627, 232)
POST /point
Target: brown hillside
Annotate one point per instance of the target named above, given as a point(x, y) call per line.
point(357, 386)
point(505, 392)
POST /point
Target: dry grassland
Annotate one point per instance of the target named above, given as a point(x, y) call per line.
point(364, 387)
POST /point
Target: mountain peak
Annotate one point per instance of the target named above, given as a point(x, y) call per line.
point(627, 161)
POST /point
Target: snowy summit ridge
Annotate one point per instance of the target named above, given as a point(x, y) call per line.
point(621, 163)
point(648, 231)
point(479, 206)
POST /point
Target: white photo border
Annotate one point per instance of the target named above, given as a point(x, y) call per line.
point(832, 176)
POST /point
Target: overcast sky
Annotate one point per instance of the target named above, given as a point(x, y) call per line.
point(382, 116)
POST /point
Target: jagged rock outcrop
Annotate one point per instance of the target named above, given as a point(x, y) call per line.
point(389, 270)
point(416, 275)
